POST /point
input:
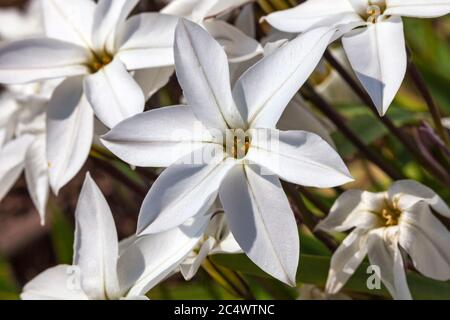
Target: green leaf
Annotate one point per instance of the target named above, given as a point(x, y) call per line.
point(8, 286)
point(314, 270)
point(62, 235)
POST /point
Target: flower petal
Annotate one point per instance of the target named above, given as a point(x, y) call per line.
point(384, 253)
point(157, 138)
point(346, 259)
point(150, 259)
point(70, 128)
point(36, 175)
point(237, 45)
point(410, 192)
point(69, 20)
point(266, 88)
point(12, 158)
point(299, 157)
point(377, 54)
point(153, 79)
point(418, 8)
point(54, 284)
point(191, 265)
point(426, 240)
point(146, 41)
point(262, 221)
point(39, 59)
point(114, 94)
point(313, 14)
point(297, 116)
point(202, 70)
point(185, 189)
point(353, 208)
point(108, 16)
point(96, 248)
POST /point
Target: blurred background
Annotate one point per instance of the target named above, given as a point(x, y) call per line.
point(27, 248)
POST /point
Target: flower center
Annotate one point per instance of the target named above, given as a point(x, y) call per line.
point(373, 10)
point(391, 214)
point(99, 61)
point(237, 144)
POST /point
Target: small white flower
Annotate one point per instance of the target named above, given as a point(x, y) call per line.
point(102, 268)
point(373, 36)
point(238, 46)
point(384, 222)
point(22, 140)
point(217, 239)
point(225, 143)
point(93, 46)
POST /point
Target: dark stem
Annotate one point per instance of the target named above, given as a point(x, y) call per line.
point(310, 94)
point(307, 217)
point(401, 136)
point(435, 112)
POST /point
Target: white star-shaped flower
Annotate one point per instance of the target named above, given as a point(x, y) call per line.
point(373, 36)
point(103, 268)
point(383, 223)
point(225, 143)
point(93, 46)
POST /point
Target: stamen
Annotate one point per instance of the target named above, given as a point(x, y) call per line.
point(391, 214)
point(99, 61)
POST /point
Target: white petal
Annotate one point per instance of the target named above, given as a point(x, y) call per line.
point(151, 80)
point(150, 37)
point(377, 54)
point(418, 8)
point(426, 240)
point(266, 88)
point(409, 192)
point(190, 267)
point(10, 110)
point(157, 138)
point(237, 45)
point(69, 20)
point(39, 59)
point(57, 283)
point(262, 221)
point(221, 7)
point(36, 175)
point(346, 260)
point(70, 128)
point(96, 247)
point(299, 157)
point(152, 258)
point(202, 70)
point(246, 21)
point(298, 116)
point(12, 158)
point(114, 94)
point(383, 252)
point(184, 190)
point(108, 16)
point(353, 208)
point(180, 8)
point(313, 14)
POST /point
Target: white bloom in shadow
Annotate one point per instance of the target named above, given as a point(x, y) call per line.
point(381, 224)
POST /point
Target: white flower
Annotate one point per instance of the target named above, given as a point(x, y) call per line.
point(104, 269)
point(94, 47)
point(238, 46)
point(217, 239)
point(210, 144)
point(373, 36)
point(384, 222)
point(22, 140)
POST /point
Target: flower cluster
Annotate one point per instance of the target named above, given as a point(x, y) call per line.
point(231, 153)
